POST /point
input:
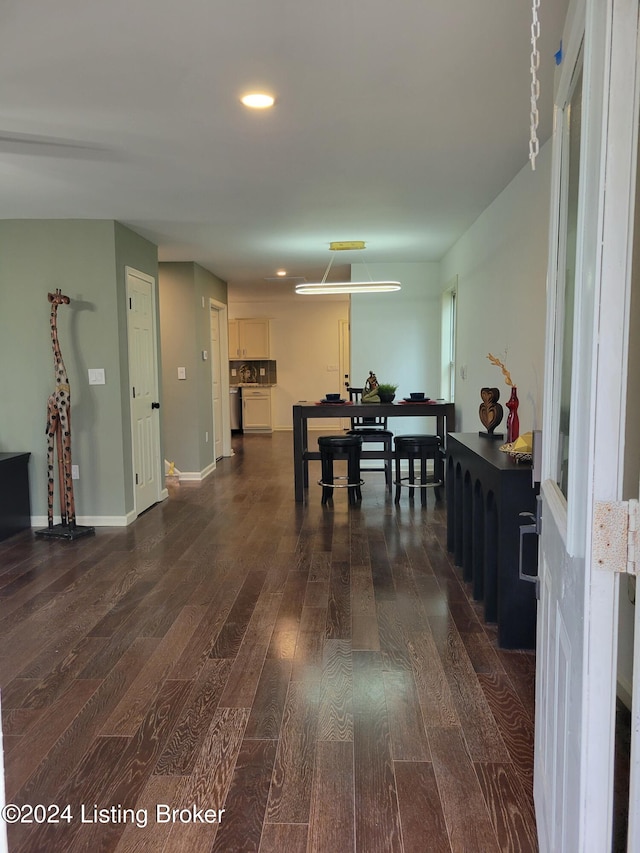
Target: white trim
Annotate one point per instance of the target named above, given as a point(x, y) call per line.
point(448, 337)
point(223, 316)
point(38, 521)
point(196, 476)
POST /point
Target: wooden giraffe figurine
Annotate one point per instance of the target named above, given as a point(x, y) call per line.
point(59, 426)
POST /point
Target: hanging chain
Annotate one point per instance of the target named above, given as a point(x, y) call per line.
point(534, 146)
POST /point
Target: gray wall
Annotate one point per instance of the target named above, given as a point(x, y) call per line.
point(187, 412)
point(86, 260)
point(501, 267)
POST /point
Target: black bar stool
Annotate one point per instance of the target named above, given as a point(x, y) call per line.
point(340, 446)
point(420, 448)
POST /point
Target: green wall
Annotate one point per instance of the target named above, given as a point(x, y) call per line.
point(187, 412)
point(81, 258)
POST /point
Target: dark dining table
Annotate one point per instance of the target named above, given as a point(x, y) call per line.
point(443, 412)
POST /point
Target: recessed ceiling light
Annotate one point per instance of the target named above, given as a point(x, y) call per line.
point(281, 272)
point(258, 100)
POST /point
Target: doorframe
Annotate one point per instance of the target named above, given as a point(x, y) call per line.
point(162, 493)
point(223, 311)
point(448, 339)
point(344, 359)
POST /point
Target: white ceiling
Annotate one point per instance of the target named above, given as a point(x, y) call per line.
point(397, 122)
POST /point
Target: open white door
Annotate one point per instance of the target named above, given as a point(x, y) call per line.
point(143, 381)
point(216, 382)
point(583, 434)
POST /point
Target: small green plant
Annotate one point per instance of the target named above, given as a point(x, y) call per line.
point(386, 388)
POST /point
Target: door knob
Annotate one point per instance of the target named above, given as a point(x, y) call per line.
point(155, 405)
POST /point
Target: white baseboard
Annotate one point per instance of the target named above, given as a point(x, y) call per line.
point(38, 521)
point(196, 476)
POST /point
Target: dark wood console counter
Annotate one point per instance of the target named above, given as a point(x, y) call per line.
point(486, 492)
point(15, 504)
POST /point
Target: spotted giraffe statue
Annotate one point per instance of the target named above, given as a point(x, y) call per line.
point(59, 426)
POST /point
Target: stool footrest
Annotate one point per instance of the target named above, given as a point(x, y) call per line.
point(418, 484)
point(341, 485)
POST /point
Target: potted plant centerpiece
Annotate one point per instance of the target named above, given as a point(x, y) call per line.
point(386, 392)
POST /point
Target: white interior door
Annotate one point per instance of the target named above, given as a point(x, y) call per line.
point(583, 434)
point(216, 382)
point(143, 380)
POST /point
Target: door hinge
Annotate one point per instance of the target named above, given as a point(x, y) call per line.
point(615, 536)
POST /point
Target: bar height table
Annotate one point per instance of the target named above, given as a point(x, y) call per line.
point(443, 412)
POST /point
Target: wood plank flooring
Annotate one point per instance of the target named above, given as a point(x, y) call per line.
point(316, 677)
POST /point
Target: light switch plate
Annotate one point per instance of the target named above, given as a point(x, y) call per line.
point(182, 373)
point(96, 376)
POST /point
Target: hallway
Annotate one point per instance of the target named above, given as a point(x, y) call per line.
point(317, 672)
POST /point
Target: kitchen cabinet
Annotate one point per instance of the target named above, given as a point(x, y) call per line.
point(249, 338)
point(256, 409)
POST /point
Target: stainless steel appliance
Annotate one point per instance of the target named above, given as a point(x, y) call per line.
point(235, 408)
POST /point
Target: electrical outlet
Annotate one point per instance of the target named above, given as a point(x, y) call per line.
point(75, 472)
point(263, 372)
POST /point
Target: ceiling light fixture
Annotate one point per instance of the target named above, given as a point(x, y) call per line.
point(328, 287)
point(258, 100)
point(281, 272)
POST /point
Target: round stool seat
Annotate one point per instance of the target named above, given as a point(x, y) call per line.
point(406, 441)
point(339, 442)
point(335, 446)
point(419, 448)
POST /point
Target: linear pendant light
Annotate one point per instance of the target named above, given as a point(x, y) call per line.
point(329, 287)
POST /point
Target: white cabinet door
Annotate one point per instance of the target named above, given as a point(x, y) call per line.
point(256, 410)
point(249, 338)
point(234, 339)
point(254, 338)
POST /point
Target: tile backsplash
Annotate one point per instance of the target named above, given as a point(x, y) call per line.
point(259, 372)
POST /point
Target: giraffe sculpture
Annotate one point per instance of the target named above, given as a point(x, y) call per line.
point(59, 441)
point(59, 426)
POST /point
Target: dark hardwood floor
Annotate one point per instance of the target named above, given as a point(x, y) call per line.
point(319, 673)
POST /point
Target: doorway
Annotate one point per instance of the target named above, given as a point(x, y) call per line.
point(219, 347)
